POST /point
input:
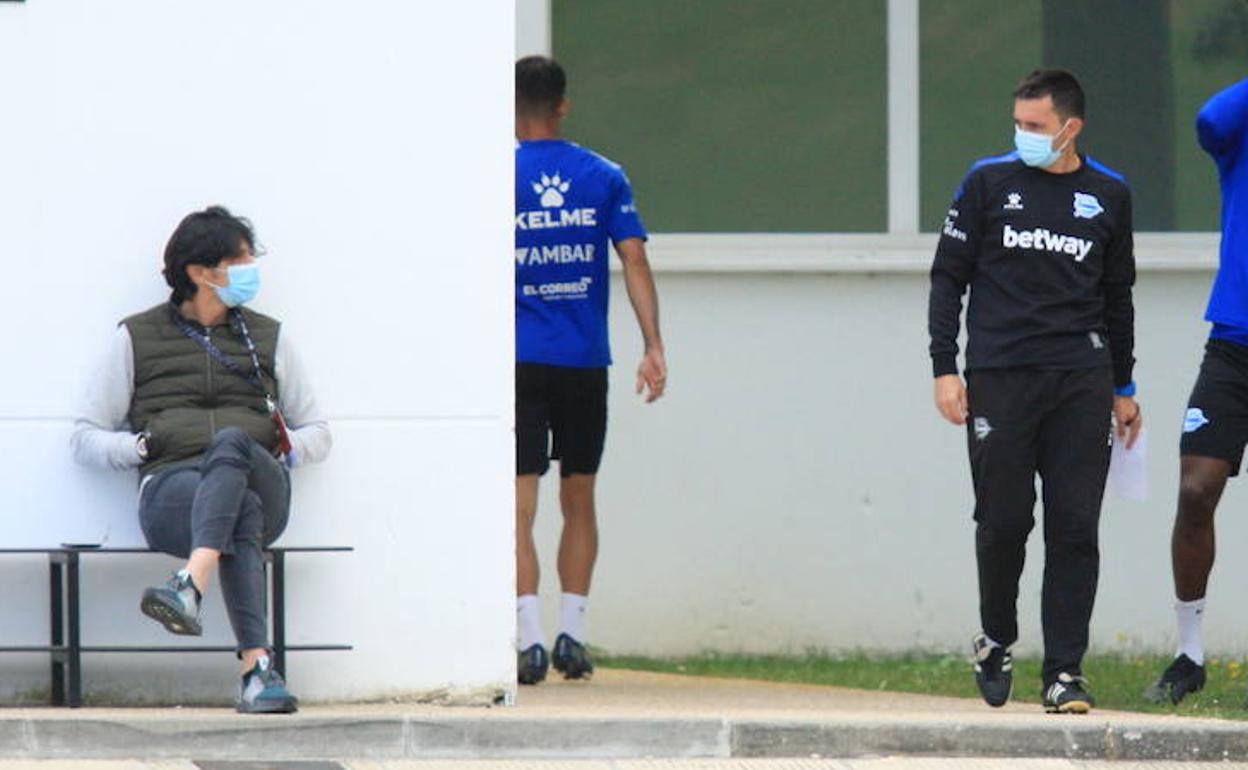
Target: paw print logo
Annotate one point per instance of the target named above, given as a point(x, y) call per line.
point(552, 189)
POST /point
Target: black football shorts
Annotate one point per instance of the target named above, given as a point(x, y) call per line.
point(561, 414)
point(1216, 422)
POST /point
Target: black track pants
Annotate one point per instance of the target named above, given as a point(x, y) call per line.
point(1057, 424)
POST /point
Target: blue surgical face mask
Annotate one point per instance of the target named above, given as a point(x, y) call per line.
point(243, 286)
point(1037, 150)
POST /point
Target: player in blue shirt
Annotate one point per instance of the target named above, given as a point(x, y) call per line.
point(570, 202)
point(1215, 428)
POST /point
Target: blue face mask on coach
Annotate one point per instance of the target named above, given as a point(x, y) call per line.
point(1036, 150)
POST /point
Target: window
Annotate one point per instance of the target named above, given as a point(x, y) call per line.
point(1209, 49)
point(1147, 67)
point(971, 55)
point(735, 115)
point(754, 116)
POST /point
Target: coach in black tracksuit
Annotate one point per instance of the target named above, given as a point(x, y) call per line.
point(1042, 236)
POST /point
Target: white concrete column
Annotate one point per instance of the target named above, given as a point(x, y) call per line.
point(903, 116)
point(533, 34)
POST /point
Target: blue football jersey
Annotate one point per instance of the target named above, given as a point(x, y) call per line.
point(571, 203)
point(1222, 130)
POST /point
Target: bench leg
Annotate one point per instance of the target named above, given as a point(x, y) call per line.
point(75, 633)
point(279, 611)
point(56, 597)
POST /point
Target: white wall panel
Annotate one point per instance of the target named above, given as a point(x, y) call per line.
point(796, 489)
point(371, 143)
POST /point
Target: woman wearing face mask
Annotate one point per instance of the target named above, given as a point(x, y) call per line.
point(197, 393)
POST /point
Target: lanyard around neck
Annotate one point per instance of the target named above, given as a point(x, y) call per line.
point(220, 357)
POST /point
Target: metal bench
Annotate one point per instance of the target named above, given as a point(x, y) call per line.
point(66, 647)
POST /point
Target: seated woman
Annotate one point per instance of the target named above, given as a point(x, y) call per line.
point(197, 393)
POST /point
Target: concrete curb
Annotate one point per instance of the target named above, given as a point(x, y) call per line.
point(1062, 737)
point(424, 737)
point(360, 737)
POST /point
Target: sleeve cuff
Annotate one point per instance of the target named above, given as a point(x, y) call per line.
point(128, 449)
point(627, 235)
point(945, 363)
point(1125, 390)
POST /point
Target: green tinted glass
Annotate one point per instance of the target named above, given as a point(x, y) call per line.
point(734, 115)
point(1147, 67)
point(1209, 49)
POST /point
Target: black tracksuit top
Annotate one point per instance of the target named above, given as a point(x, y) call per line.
point(1050, 263)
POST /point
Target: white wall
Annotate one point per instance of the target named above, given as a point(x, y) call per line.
point(795, 489)
point(371, 144)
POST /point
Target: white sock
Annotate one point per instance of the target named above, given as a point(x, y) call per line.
point(1191, 641)
point(572, 616)
point(528, 622)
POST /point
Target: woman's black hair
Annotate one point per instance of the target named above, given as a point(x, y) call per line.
point(203, 238)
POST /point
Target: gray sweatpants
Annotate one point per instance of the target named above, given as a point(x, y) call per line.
point(236, 500)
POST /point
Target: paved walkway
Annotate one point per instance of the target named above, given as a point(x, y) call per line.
point(624, 716)
point(882, 763)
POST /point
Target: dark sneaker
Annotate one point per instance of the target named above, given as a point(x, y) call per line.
point(1068, 695)
point(994, 671)
point(175, 605)
point(263, 691)
point(531, 665)
point(570, 658)
point(1179, 679)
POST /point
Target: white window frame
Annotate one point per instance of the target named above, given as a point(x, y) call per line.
point(902, 248)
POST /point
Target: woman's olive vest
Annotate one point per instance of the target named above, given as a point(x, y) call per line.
point(183, 396)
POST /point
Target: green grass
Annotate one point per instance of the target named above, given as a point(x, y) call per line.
point(1116, 681)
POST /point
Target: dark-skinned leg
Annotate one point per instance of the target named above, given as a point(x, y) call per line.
point(1192, 544)
point(1211, 448)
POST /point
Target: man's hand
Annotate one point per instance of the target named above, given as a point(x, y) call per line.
point(1128, 419)
point(951, 398)
point(639, 280)
point(652, 374)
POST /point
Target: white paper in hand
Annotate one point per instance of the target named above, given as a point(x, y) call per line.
point(1128, 469)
